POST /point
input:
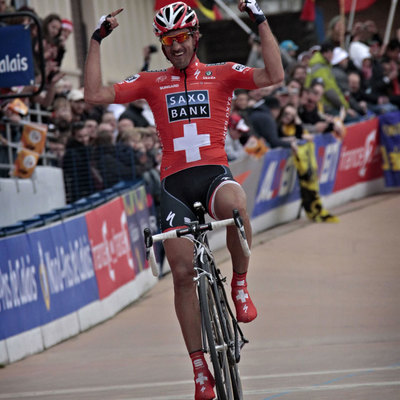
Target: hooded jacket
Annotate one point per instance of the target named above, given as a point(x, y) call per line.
point(319, 67)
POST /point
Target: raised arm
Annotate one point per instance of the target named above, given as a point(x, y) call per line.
point(95, 92)
point(273, 72)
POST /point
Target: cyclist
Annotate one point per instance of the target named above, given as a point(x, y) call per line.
point(191, 105)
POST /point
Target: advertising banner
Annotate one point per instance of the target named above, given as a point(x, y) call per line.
point(247, 172)
point(138, 217)
point(389, 133)
point(45, 275)
point(278, 184)
point(16, 61)
point(110, 244)
point(21, 304)
point(327, 151)
point(360, 157)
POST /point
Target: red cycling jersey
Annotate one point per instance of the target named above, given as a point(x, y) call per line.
point(191, 109)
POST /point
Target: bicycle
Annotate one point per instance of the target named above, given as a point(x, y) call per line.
point(221, 335)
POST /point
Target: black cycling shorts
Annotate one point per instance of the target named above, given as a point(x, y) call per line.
point(181, 190)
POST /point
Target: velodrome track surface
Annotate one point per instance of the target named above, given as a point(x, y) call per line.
point(328, 297)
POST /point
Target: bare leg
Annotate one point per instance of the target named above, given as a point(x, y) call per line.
point(230, 197)
point(180, 257)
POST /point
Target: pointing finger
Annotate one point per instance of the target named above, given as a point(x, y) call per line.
point(115, 13)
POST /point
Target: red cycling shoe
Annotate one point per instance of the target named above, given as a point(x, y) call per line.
point(203, 379)
point(245, 309)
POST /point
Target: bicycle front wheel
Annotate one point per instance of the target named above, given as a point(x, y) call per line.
point(234, 346)
point(214, 330)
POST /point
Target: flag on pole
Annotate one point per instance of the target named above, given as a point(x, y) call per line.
point(360, 5)
point(308, 11)
point(206, 7)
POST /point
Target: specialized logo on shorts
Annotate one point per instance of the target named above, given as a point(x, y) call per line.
point(195, 104)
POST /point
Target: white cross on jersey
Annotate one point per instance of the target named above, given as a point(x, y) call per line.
point(191, 142)
point(201, 379)
point(242, 296)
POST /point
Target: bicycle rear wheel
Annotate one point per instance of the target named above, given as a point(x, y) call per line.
point(214, 329)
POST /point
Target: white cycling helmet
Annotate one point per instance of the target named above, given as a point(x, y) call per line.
point(174, 16)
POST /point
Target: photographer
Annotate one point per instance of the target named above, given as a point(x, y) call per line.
point(147, 52)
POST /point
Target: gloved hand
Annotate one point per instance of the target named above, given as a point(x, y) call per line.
point(253, 9)
point(106, 25)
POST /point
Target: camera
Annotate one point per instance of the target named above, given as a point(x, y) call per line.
point(153, 49)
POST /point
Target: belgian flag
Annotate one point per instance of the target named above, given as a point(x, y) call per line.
point(206, 7)
point(307, 172)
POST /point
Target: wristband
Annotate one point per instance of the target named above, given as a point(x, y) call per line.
point(259, 18)
point(96, 36)
point(103, 29)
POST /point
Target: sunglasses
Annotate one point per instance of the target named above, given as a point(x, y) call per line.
point(180, 38)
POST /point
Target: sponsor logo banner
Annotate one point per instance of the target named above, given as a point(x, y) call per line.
point(45, 275)
point(195, 104)
point(110, 244)
point(139, 218)
point(360, 159)
point(278, 183)
point(327, 152)
point(16, 61)
point(390, 147)
point(247, 172)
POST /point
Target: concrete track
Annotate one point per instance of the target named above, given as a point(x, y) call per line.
point(328, 297)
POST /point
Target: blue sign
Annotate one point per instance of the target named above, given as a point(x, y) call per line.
point(45, 275)
point(16, 61)
point(327, 152)
point(19, 287)
point(278, 182)
point(139, 216)
point(389, 135)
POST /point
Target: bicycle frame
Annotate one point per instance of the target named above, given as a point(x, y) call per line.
point(221, 335)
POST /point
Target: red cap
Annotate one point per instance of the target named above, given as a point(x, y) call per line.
point(67, 24)
point(237, 122)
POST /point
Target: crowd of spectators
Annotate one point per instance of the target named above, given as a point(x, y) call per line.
point(326, 86)
point(96, 146)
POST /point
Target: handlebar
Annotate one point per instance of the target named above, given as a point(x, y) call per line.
point(193, 228)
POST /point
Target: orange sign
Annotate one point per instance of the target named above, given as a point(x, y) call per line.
point(34, 137)
point(25, 163)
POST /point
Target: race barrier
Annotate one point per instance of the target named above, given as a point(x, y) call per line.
point(64, 278)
